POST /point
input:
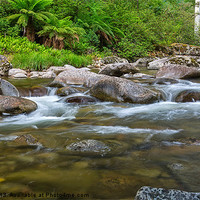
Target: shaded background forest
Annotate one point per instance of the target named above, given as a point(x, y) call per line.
point(83, 29)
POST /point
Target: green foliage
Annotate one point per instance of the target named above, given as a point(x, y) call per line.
point(128, 28)
point(40, 61)
point(28, 13)
point(28, 55)
point(60, 30)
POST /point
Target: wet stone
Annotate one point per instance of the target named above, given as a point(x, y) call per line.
point(26, 140)
point(35, 91)
point(146, 193)
point(188, 96)
point(165, 81)
point(80, 99)
point(65, 91)
point(88, 146)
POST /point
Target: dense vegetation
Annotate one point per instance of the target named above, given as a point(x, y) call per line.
point(127, 28)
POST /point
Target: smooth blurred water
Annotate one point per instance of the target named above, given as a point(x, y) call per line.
point(146, 142)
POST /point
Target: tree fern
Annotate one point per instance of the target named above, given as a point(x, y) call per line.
point(28, 12)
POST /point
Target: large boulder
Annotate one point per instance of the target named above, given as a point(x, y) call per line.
point(188, 96)
point(5, 66)
point(118, 69)
point(178, 72)
point(73, 76)
point(16, 105)
point(122, 90)
point(146, 193)
point(6, 88)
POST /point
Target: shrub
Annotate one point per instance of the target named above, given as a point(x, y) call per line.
point(28, 55)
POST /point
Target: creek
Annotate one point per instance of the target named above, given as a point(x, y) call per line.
point(154, 145)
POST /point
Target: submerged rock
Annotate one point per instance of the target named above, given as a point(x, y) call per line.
point(5, 66)
point(16, 105)
point(188, 96)
point(146, 193)
point(118, 69)
point(88, 146)
point(82, 99)
point(122, 90)
point(35, 91)
point(7, 89)
point(26, 140)
point(178, 72)
point(65, 91)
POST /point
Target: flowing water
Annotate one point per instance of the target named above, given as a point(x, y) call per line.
point(156, 145)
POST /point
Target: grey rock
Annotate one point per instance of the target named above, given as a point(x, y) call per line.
point(143, 62)
point(148, 193)
point(14, 71)
point(5, 66)
point(76, 77)
point(118, 69)
point(122, 90)
point(188, 61)
point(19, 75)
point(113, 59)
point(157, 64)
point(175, 71)
point(59, 69)
point(7, 89)
point(89, 146)
point(34, 74)
point(16, 105)
point(48, 74)
point(108, 60)
point(137, 76)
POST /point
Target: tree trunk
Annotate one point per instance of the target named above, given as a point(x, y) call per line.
point(197, 17)
point(30, 31)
